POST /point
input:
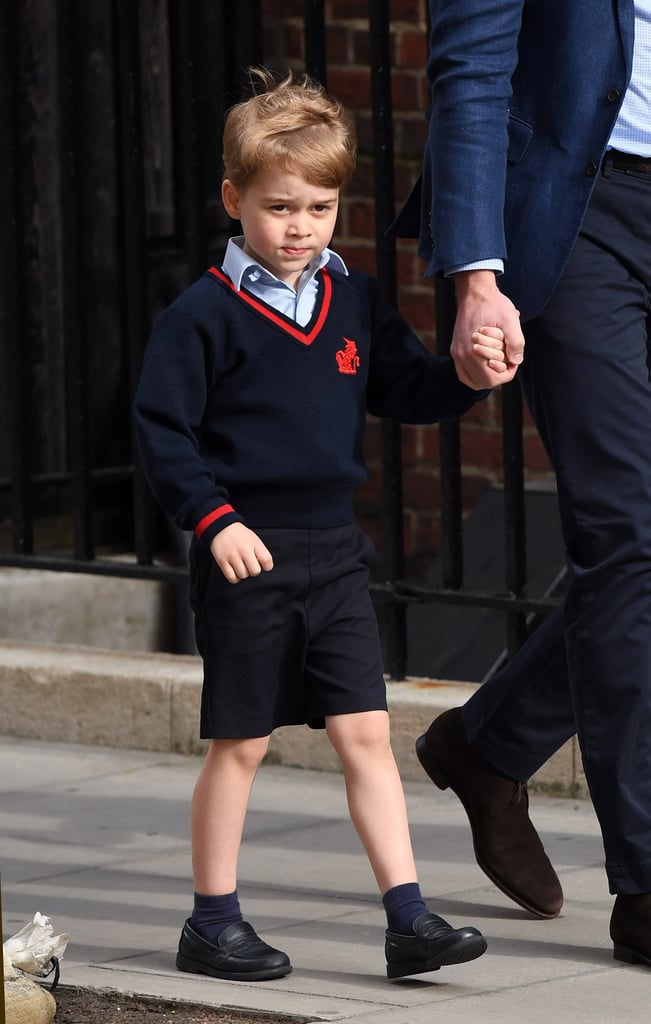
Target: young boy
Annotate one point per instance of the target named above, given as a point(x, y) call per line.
point(250, 414)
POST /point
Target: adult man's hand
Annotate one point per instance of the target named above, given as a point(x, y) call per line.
point(480, 303)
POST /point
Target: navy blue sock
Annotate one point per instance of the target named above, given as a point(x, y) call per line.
point(403, 904)
point(211, 914)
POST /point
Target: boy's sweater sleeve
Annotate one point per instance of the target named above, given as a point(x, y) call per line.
point(406, 382)
point(177, 373)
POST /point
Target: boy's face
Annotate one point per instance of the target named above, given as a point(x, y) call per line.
point(286, 220)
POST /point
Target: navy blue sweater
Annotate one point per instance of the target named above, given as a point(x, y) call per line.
point(244, 416)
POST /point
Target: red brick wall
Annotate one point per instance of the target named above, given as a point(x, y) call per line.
point(348, 77)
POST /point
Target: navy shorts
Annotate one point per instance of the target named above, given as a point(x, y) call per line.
point(289, 646)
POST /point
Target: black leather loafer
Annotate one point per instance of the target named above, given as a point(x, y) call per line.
point(239, 955)
point(434, 944)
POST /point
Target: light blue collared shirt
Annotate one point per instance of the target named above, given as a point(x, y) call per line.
point(632, 131)
point(298, 304)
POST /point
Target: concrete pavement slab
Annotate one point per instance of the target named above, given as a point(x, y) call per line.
point(97, 839)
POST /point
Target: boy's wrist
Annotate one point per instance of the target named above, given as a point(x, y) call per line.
point(214, 522)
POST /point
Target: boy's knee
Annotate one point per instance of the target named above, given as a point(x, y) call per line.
point(247, 753)
point(362, 733)
point(250, 752)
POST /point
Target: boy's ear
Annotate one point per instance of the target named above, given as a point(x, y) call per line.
point(231, 199)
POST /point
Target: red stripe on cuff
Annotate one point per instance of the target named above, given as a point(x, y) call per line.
point(204, 523)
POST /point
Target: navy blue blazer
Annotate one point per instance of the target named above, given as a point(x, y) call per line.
point(524, 95)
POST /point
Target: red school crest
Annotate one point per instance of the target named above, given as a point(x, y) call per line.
point(347, 358)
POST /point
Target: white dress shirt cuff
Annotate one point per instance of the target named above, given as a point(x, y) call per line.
point(497, 265)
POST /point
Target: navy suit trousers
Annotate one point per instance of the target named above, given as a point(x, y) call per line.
point(587, 669)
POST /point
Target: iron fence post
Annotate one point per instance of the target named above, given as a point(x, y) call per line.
point(385, 248)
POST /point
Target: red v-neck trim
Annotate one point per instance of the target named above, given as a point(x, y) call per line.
point(275, 318)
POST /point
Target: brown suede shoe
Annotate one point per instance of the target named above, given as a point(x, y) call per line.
point(507, 847)
point(630, 928)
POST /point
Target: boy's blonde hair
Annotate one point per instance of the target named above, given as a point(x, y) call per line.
point(292, 124)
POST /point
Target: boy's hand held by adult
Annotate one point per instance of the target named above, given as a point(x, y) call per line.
point(480, 303)
point(240, 553)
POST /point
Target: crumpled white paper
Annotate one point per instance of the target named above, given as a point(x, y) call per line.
point(32, 948)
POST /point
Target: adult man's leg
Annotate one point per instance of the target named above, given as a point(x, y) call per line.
point(586, 376)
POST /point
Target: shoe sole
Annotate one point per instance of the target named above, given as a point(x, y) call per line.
point(630, 956)
point(184, 963)
point(439, 779)
point(461, 953)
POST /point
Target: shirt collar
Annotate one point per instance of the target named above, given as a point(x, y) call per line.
point(242, 268)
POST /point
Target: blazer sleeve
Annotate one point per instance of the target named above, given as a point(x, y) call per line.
point(473, 53)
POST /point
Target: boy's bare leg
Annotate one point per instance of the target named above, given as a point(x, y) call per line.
point(215, 940)
point(416, 940)
point(375, 796)
point(219, 803)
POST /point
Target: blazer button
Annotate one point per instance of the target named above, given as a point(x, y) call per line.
point(591, 169)
point(613, 95)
